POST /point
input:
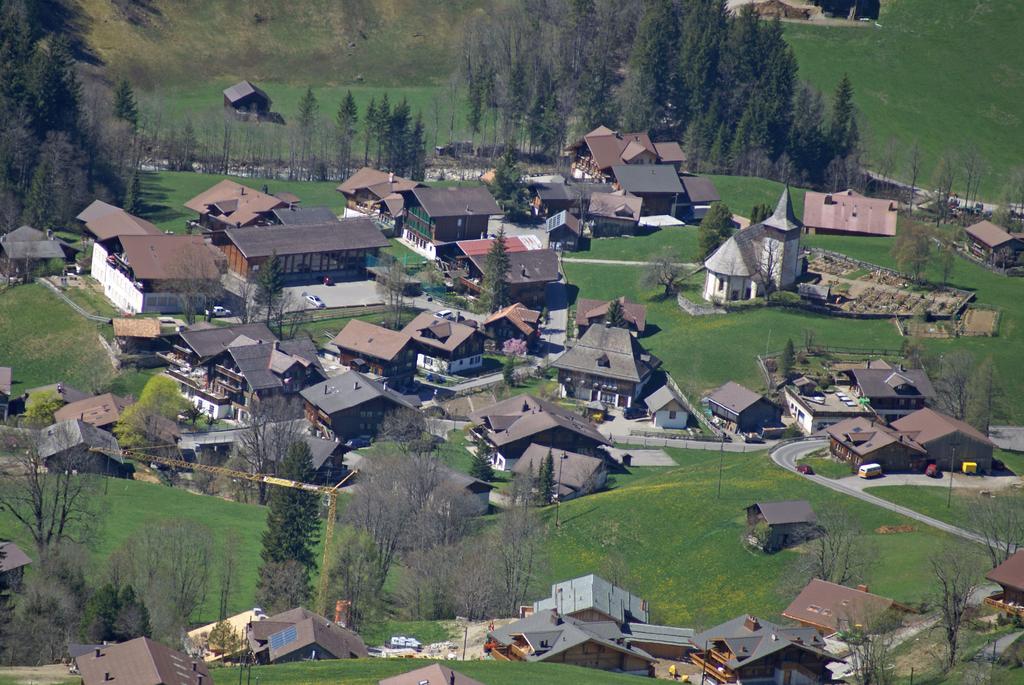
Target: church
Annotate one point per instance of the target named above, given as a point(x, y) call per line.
point(767, 252)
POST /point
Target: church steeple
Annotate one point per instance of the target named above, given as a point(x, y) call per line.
point(784, 218)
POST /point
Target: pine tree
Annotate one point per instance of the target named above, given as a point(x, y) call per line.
point(346, 124)
point(417, 153)
point(495, 293)
point(398, 148)
point(651, 65)
point(508, 187)
point(759, 213)
point(56, 91)
point(474, 105)
point(616, 315)
point(715, 228)
point(293, 518)
point(40, 207)
point(788, 359)
point(508, 372)
point(546, 480)
point(369, 122)
point(125, 107)
point(269, 286)
point(133, 194)
point(480, 467)
point(308, 110)
point(843, 134)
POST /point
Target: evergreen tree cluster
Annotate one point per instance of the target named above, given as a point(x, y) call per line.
point(113, 615)
point(394, 140)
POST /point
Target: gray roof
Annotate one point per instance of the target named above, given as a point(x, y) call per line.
point(700, 190)
point(434, 674)
point(11, 557)
point(648, 178)
point(528, 266)
point(594, 592)
point(242, 89)
point(358, 233)
point(887, 382)
point(750, 645)
point(563, 218)
point(662, 397)
point(263, 364)
point(71, 433)
point(734, 397)
point(26, 242)
point(210, 341)
point(610, 352)
point(787, 511)
point(348, 390)
point(311, 629)
point(547, 191)
point(468, 201)
point(524, 416)
point(662, 635)
point(784, 218)
point(141, 662)
point(573, 472)
point(301, 216)
point(550, 634)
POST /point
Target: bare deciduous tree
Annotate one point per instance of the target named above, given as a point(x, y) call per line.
point(662, 271)
point(974, 170)
point(403, 426)
point(515, 547)
point(945, 178)
point(391, 285)
point(872, 639)
point(955, 578)
point(1000, 522)
point(769, 267)
point(837, 554)
point(195, 278)
point(953, 382)
point(914, 160)
point(228, 572)
point(354, 575)
point(263, 442)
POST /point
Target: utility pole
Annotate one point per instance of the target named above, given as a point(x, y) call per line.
point(558, 499)
point(952, 461)
point(721, 463)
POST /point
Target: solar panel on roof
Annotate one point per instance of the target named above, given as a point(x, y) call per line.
point(283, 637)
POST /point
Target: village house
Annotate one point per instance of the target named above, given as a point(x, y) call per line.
point(300, 635)
point(590, 312)
point(514, 322)
point(233, 205)
point(25, 248)
point(379, 194)
point(139, 335)
point(139, 272)
point(749, 650)
point(101, 221)
point(101, 411)
point(68, 446)
point(863, 440)
point(788, 523)
point(613, 214)
point(814, 409)
point(12, 565)
point(950, 442)
point(606, 365)
point(830, 608)
point(351, 405)
point(141, 660)
point(224, 371)
point(992, 244)
point(575, 474)
point(564, 231)
point(1009, 576)
point(436, 217)
point(741, 409)
point(248, 98)
point(434, 674)
point(699, 193)
point(446, 345)
point(891, 391)
point(550, 195)
point(294, 215)
point(377, 351)
point(6, 381)
point(529, 273)
point(596, 154)
point(667, 409)
point(849, 213)
point(742, 267)
point(305, 253)
point(509, 428)
point(657, 185)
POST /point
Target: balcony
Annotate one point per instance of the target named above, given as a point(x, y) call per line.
point(713, 668)
point(196, 379)
point(230, 373)
point(998, 601)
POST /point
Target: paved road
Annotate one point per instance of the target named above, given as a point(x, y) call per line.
point(788, 454)
point(960, 481)
point(554, 331)
point(993, 650)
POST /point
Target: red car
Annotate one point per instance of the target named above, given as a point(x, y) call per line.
point(933, 471)
point(805, 469)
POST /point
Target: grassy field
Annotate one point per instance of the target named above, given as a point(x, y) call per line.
point(369, 671)
point(959, 81)
point(681, 544)
point(830, 468)
point(741, 193)
point(680, 241)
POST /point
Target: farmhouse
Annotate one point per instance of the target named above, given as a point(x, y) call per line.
point(950, 442)
point(667, 410)
point(509, 427)
point(445, 345)
point(814, 409)
point(590, 312)
point(378, 193)
point(741, 409)
point(564, 231)
point(300, 635)
point(377, 351)
point(232, 205)
point(68, 446)
point(246, 97)
point(1009, 575)
point(789, 522)
point(751, 650)
point(699, 193)
point(436, 217)
point(595, 154)
point(101, 221)
point(614, 214)
point(528, 274)
point(575, 474)
point(140, 661)
point(742, 267)
point(138, 272)
point(25, 247)
point(101, 411)
point(830, 608)
point(294, 215)
point(863, 440)
point(434, 674)
point(514, 322)
point(657, 185)
point(891, 391)
point(350, 405)
point(849, 213)
point(993, 244)
point(606, 365)
point(305, 253)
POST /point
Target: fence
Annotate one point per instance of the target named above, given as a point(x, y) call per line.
point(875, 267)
point(699, 415)
point(74, 305)
point(694, 309)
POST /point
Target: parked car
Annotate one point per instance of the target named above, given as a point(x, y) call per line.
point(805, 469)
point(933, 471)
point(752, 438)
point(217, 310)
point(314, 301)
point(635, 412)
point(358, 441)
point(402, 642)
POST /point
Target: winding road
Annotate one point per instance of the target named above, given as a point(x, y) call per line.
point(787, 455)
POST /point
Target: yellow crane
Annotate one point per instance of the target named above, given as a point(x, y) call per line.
point(328, 491)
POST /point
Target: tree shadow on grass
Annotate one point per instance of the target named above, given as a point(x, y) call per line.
point(156, 195)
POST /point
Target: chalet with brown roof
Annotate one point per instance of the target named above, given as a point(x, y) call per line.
point(351, 405)
point(232, 205)
point(446, 345)
point(509, 427)
point(102, 221)
point(139, 335)
point(434, 674)
point(436, 217)
point(992, 244)
point(101, 411)
point(575, 474)
point(741, 409)
point(830, 608)
point(607, 366)
point(849, 213)
point(300, 635)
point(380, 194)
point(892, 391)
point(868, 440)
point(950, 442)
point(788, 522)
point(377, 351)
point(595, 154)
point(529, 272)
point(141, 662)
point(514, 322)
point(613, 214)
point(1009, 575)
point(590, 312)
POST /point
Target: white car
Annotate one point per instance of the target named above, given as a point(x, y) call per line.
point(217, 310)
point(314, 301)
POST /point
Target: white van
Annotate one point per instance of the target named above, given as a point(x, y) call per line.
point(869, 471)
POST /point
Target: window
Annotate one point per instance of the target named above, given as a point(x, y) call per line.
point(671, 415)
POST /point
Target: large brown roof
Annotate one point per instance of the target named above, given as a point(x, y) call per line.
point(608, 352)
point(380, 183)
point(370, 340)
point(164, 257)
point(525, 415)
point(734, 397)
point(441, 334)
point(524, 319)
point(863, 436)
point(892, 383)
point(446, 202)
point(1010, 573)
point(101, 410)
point(787, 511)
point(309, 629)
point(990, 234)
point(850, 212)
point(12, 557)
point(357, 233)
point(481, 246)
point(107, 221)
point(618, 205)
point(573, 472)
point(242, 205)
point(588, 311)
point(926, 425)
point(434, 674)
point(141, 662)
point(830, 607)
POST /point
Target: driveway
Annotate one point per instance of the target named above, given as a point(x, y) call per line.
point(554, 331)
point(960, 481)
point(344, 294)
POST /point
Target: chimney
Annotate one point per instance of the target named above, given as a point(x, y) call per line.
point(391, 177)
point(99, 653)
point(752, 623)
point(862, 587)
point(106, 676)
